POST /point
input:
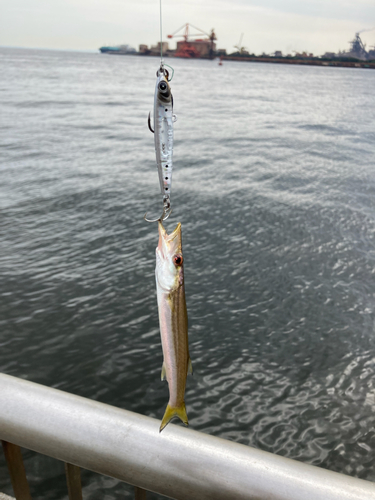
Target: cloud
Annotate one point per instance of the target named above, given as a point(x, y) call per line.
point(268, 25)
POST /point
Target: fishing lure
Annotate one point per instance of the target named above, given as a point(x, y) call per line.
point(163, 135)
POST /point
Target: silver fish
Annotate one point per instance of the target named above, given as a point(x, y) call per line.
point(163, 133)
point(173, 321)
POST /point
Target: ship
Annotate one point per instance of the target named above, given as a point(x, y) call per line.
point(118, 50)
point(199, 48)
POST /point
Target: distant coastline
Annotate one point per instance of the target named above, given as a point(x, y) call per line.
point(205, 48)
point(355, 63)
point(314, 61)
point(306, 61)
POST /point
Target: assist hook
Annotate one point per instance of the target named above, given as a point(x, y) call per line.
point(167, 210)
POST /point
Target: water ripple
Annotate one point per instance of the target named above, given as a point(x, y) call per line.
point(274, 186)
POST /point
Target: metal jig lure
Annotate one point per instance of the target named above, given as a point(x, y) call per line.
point(163, 137)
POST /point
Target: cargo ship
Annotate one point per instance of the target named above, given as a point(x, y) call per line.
point(118, 50)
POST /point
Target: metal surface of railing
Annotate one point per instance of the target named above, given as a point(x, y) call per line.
point(179, 463)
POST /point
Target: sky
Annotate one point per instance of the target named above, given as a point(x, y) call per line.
point(313, 26)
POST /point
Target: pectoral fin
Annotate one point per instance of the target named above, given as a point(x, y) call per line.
point(163, 372)
point(190, 367)
point(171, 412)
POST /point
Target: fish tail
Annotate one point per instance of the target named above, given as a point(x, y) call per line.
point(170, 412)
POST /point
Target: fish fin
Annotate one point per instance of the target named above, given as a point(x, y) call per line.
point(171, 412)
point(163, 372)
point(190, 367)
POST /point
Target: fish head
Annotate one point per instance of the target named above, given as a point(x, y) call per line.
point(163, 89)
point(169, 259)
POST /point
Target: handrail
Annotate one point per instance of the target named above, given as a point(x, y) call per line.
point(179, 463)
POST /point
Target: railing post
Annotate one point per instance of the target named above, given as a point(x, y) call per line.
point(73, 479)
point(17, 472)
point(140, 494)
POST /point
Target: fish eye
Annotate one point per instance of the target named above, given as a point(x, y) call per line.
point(178, 260)
point(163, 86)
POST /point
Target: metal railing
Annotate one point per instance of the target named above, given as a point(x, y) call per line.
point(179, 463)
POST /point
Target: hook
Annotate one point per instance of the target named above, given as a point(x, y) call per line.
point(167, 210)
point(149, 122)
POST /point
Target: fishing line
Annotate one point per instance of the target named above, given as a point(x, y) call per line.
point(161, 47)
point(161, 38)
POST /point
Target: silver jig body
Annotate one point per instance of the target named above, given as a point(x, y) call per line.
point(163, 133)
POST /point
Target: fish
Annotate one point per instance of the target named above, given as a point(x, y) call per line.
point(163, 133)
point(173, 321)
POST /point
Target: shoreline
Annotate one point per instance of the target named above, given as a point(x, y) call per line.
point(272, 60)
point(308, 62)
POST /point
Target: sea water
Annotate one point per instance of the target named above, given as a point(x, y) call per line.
point(274, 185)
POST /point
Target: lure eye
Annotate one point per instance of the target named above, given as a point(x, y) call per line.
point(164, 91)
point(178, 260)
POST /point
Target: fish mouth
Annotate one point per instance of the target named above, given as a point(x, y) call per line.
point(169, 243)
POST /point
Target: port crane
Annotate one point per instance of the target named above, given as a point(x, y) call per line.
point(186, 49)
point(239, 46)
